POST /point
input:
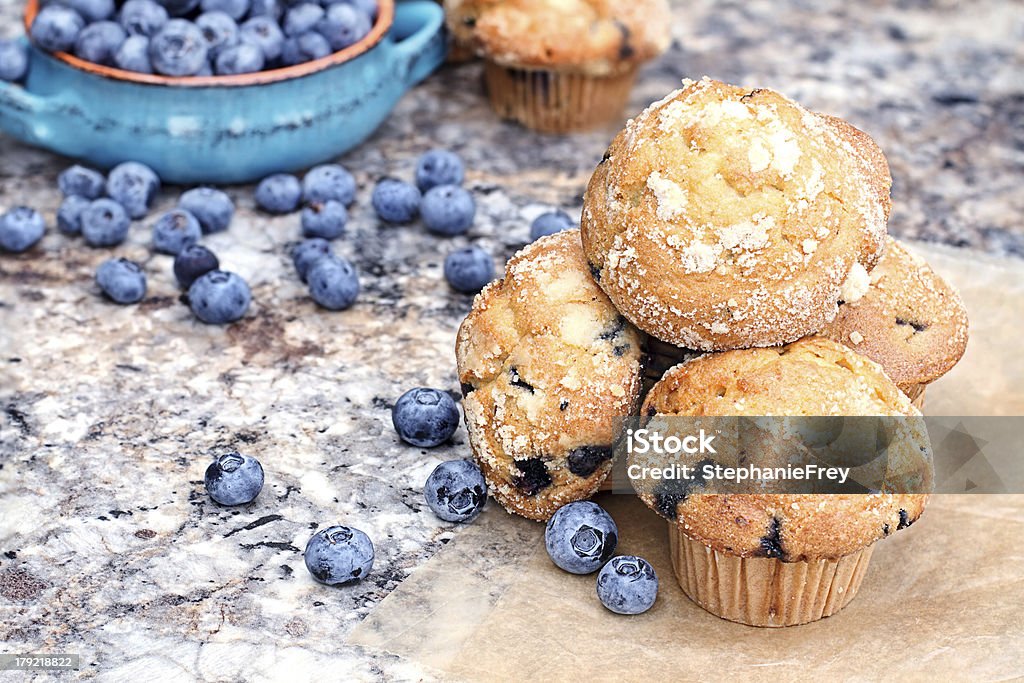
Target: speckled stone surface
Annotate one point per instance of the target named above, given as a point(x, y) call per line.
point(109, 546)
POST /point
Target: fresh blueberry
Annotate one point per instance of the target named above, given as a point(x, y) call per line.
point(142, 17)
point(302, 18)
point(236, 9)
point(92, 10)
point(324, 219)
point(81, 181)
point(20, 228)
point(343, 25)
point(133, 55)
point(56, 28)
point(468, 269)
point(395, 201)
point(243, 58)
point(333, 283)
point(549, 223)
point(304, 48)
point(220, 32)
point(179, 8)
point(192, 262)
point(178, 49)
point(580, 537)
point(456, 491)
point(69, 215)
point(425, 417)
point(234, 479)
point(13, 60)
point(329, 181)
point(266, 8)
point(339, 554)
point(205, 70)
point(438, 167)
point(121, 280)
point(213, 208)
point(369, 7)
point(99, 42)
point(448, 210)
point(279, 193)
point(104, 223)
point(307, 253)
point(264, 32)
point(133, 186)
point(174, 231)
point(627, 585)
point(219, 297)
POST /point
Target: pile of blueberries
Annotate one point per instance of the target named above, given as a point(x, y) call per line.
point(180, 38)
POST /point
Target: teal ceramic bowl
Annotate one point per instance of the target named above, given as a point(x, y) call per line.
point(225, 129)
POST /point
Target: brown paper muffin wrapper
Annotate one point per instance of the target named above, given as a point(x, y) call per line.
point(761, 591)
point(916, 395)
point(557, 102)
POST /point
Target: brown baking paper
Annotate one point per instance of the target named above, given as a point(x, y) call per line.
point(941, 600)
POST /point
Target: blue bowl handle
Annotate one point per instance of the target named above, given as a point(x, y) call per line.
point(23, 114)
point(420, 44)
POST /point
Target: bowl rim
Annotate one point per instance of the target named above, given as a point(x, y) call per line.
point(385, 19)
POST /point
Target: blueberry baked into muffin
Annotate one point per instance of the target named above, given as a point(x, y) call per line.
point(776, 559)
point(560, 65)
point(546, 365)
point(725, 217)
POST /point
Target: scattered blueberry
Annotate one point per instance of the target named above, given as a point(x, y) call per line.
point(425, 417)
point(329, 181)
point(133, 186)
point(333, 283)
point(13, 60)
point(468, 269)
point(302, 18)
point(236, 9)
point(142, 17)
point(580, 537)
point(456, 491)
point(213, 208)
point(438, 167)
point(234, 479)
point(343, 25)
point(179, 8)
point(178, 49)
point(324, 219)
point(69, 215)
point(627, 585)
point(104, 223)
point(99, 42)
point(395, 201)
point(448, 210)
point(174, 231)
point(220, 32)
point(121, 280)
point(219, 297)
point(549, 223)
point(20, 228)
point(264, 32)
point(92, 10)
point(279, 193)
point(338, 555)
point(304, 48)
point(307, 253)
point(81, 181)
point(192, 262)
point(56, 28)
point(133, 55)
point(243, 58)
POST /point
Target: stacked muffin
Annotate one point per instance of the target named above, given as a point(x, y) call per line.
point(747, 236)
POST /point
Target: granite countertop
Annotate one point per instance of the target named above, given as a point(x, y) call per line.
point(109, 546)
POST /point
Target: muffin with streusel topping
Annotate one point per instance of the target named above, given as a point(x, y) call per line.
point(559, 66)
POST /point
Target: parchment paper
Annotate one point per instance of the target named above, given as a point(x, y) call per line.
point(942, 600)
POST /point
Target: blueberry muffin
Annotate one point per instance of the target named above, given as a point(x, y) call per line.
point(725, 218)
point(777, 559)
point(560, 65)
point(908, 320)
point(546, 365)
